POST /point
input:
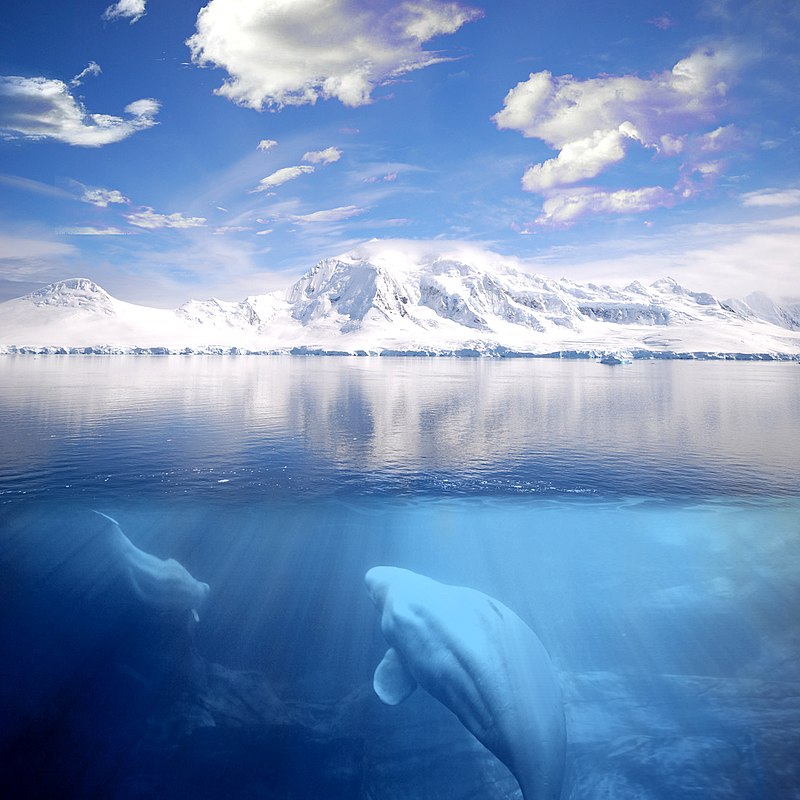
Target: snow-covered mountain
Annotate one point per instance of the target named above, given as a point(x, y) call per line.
point(386, 303)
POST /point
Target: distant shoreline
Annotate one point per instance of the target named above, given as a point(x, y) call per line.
point(464, 352)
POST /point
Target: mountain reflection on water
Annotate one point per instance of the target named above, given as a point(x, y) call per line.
point(400, 424)
point(643, 521)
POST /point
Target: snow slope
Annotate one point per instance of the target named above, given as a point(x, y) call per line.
point(377, 302)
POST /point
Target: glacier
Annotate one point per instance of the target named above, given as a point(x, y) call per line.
point(374, 302)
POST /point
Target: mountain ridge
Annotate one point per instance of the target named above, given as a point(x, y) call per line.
point(358, 303)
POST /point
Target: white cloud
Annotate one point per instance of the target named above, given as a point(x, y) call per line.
point(772, 198)
point(127, 9)
point(278, 53)
point(152, 221)
point(698, 176)
point(590, 121)
point(147, 107)
point(329, 215)
point(92, 231)
point(326, 156)
point(579, 160)
point(389, 177)
point(42, 108)
point(564, 109)
point(724, 138)
point(266, 144)
point(281, 176)
point(564, 208)
point(100, 197)
point(222, 230)
point(92, 69)
point(671, 145)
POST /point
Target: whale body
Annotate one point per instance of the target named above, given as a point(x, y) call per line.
point(165, 585)
point(481, 661)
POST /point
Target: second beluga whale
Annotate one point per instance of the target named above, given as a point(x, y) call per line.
point(481, 661)
point(162, 584)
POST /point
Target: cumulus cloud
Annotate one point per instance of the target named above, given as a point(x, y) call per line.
point(92, 69)
point(671, 145)
point(100, 197)
point(592, 123)
point(564, 109)
point(329, 215)
point(125, 9)
point(43, 108)
point(772, 198)
point(281, 176)
point(143, 108)
point(326, 156)
point(278, 54)
point(150, 220)
point(564, 208)
point(579, 160)
point(266, 144)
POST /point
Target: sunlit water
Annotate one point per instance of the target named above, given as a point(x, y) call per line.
point(642, 519)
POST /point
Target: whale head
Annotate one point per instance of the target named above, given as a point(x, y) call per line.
point(381, 581)
point(378, 581)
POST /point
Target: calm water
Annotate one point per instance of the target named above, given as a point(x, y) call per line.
point(643, 520)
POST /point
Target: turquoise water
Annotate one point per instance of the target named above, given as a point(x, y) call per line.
point(643, 521)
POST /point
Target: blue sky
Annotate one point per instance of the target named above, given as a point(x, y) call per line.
point(183, 149)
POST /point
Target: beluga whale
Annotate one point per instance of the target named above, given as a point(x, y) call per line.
point(162, 584)
point(478, 658)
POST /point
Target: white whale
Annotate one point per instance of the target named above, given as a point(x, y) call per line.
point(479, 659)
point(164, 585)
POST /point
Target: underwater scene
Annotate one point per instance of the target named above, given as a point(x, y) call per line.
point(399, 578)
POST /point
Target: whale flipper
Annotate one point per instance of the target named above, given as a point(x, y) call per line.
point(392, 682)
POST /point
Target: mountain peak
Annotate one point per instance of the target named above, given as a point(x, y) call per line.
point(74, 293)
point(668, 284)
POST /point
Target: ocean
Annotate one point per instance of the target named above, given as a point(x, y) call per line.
point(642, 520)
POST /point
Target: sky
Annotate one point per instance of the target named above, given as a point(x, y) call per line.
point(181, 149)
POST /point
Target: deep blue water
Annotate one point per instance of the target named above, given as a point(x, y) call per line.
point(643, 521)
